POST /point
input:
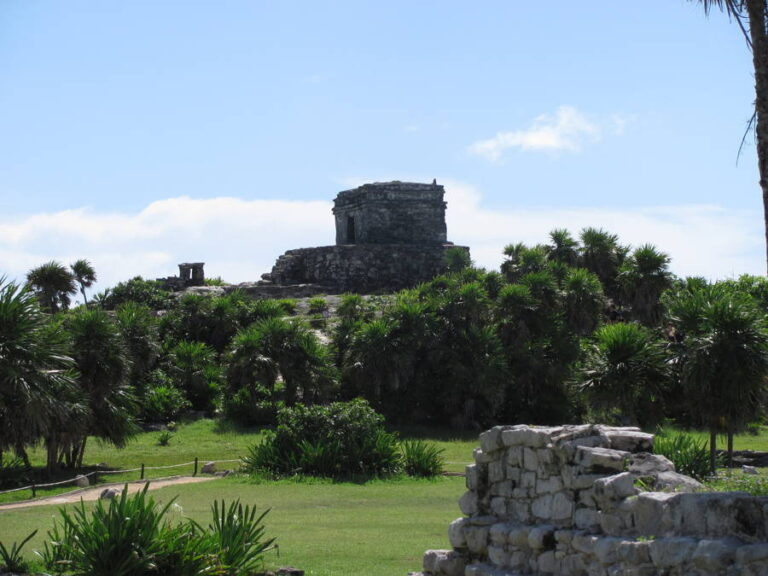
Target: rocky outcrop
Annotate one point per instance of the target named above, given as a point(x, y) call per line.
point(575, 500)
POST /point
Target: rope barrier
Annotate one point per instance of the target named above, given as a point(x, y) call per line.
point(35, 487)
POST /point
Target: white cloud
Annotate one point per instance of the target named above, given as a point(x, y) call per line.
point(567, 130)
point(241, 239)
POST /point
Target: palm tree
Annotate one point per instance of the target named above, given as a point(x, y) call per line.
point(53, 284)
point(643, 277)
point(625, 368)
point(602, 255)
point(36, 380)
point(194, 370)
point(584, 301)
point(104, 368)
point(84, 274)
point(752, 18)
point(563, 247)
point(723, 357)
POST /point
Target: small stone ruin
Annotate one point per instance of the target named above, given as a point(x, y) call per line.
point(592, 501)
point(190, 274)
point(389, 236)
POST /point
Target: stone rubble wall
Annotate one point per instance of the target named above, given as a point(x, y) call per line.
point(571, 500)
point(364, 268)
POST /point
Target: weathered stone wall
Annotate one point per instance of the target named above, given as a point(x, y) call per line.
point(391, 213)
point(568, 500)
point(360, 268)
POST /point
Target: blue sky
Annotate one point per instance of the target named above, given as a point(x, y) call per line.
point(141, 134)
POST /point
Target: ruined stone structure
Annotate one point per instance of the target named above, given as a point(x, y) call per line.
point(190, 274)
point(389, 236)
point(574, 500)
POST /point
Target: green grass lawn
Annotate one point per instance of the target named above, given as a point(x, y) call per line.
point(378, 528)
point(209, 440)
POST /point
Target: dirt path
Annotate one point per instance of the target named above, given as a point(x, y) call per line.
point(89, 494)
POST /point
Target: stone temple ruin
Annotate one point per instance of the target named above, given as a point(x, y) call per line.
point(190, 274)
point(389, 236)
point(592, 501)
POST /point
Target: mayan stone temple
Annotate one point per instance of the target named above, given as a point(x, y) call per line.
point(389, 236)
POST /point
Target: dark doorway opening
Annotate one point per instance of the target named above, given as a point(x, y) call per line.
point(351, 230)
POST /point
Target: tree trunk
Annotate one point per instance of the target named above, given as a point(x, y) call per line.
point(80, 454)
point(713, 450)
point(756, 11)
point(730, 448)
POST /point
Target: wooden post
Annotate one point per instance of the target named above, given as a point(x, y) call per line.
point(195, 472)
point(34, 491)
point(142, 471)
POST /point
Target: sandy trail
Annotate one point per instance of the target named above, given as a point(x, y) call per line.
point(90, 494)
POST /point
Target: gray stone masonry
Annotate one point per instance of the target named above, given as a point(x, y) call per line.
point(391, 213)
point(389, 236)
point(572, 501)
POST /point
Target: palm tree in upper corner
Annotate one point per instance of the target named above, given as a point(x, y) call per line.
point(84, 274)
point(752, 18)
point(53, 284)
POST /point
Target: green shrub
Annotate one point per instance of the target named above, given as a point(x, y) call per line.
point(689, 455)
point(248, 409)
point(317, 305)
point(340, 440)
point(216, 281)
point(162, 400)
point(317, 321)
point(288, 305)
point(755, 484)
point(421, 459)
point(148, 292)
point(12, 559)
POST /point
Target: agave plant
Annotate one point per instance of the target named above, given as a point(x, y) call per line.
point(12, 559)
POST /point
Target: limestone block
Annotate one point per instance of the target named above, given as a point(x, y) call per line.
point(629, 440)
point(477, 538)
point(612, 488)
point(481, 457)
point(611, 523)
point(513, 473)
point(541, 507)
point(531, 437)
point(498, 556)
point(456, 533)
point(515, 456)
point(584, 543)
point(520, 510)
point(444, 562)
point(518, 536)
point(606, 550)
point(469, 504)
point(586, 519)
point(482, 521)
point(495, 471)
point(548, 564)
point(562, 506)
point(541, 537)
point(499, 533)
point(503, 488)
point(575, 478)
point(650, 514)
point(499, 506)
point(518, 560)
point(649, 464)
point(208, 468)
point(587, 498)
point(672, 481)
point(714, 555)
point(564, 537)
point(522, 493)
point(530, 459)
point(573, 565)
point(472, 477)
point(632, 552)
point(552, 484)
point(671, 552)
point(528, 480)
point(601, 459)
point(490, 440)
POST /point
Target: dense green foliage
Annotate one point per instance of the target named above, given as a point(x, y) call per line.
point(689, 454)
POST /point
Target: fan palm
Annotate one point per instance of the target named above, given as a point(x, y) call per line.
point(84, 274)
point(53, 284)
point(643, 277)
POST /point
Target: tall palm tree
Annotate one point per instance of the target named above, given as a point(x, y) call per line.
point(643, 277)
point(563, 248)
point(752, 18)
point(53, 283)
point(84, 274)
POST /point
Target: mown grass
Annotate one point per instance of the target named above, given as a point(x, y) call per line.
point(209, 439)
point(744, 441)
point(377, 528)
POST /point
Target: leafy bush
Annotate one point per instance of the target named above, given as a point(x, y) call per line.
point(132, 537)
point(421, 459)
point(689, 455)
point(148, 292)
point(12, 559)
point(216, 281)
point(755, 484)
point(248, 409)
point(339, 440)
point(162, 400)
point(288, 305)
point(317, 305)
